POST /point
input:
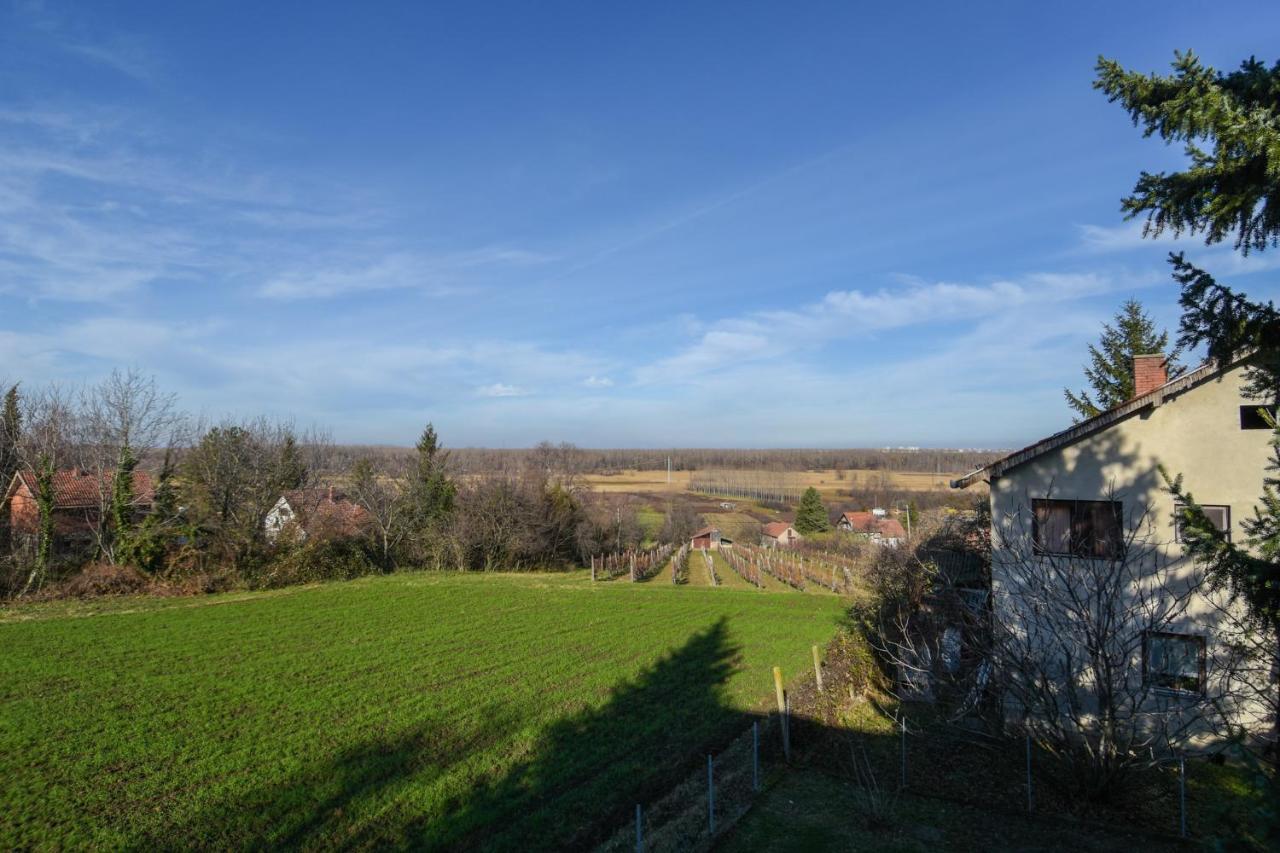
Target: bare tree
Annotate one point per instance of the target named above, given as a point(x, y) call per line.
point(1078, 612)
point(376, 485)
point(46, 443)
point(121, 420)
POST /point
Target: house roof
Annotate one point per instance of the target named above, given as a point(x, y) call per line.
point(774, 529)
point(706, 531)
point(1097, 423)
point(869, 522)
point(75, 488)
point(328, 508)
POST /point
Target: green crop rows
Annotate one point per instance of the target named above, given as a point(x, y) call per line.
point(439, 711)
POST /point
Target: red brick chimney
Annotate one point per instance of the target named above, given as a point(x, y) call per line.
point(1149, 373)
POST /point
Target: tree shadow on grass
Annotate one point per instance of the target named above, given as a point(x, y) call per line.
point(420, 787)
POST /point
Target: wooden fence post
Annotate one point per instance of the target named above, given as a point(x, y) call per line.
point(782, 712)
point(817, 668)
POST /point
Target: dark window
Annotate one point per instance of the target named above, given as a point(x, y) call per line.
point(1219, 515)
point(1251, 416)
point(1173, 661)
point(1079, 528)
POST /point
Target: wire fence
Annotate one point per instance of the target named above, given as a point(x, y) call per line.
point(906, 750)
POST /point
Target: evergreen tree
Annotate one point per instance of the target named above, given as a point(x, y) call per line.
point(1232, 190)
point(811, 515)
point(431, 491)
point(1110, 371)
point(150, 542)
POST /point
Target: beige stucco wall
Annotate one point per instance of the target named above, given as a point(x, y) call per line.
point(1196, 434)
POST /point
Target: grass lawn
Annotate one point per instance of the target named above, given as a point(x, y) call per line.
point(438, 711)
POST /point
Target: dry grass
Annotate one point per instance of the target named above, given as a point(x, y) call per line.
point(830, 483)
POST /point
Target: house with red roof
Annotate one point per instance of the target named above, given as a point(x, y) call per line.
point(879, 529)
point(779, 534)
point(310, 513)
point(79, 498)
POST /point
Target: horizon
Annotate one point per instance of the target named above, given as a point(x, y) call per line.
point(820, 228)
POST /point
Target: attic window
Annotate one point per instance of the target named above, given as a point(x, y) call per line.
point(1251, 416)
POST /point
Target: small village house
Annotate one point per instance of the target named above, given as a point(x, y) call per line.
point(708, 538)
point(779, 534)
point(79, 497)
point(324, 513)
point(873, 526)
point(1090, 491)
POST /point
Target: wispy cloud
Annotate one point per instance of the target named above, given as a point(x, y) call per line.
point(851, 314)
point(437, 276)
point(501, 389)
point(597, 382)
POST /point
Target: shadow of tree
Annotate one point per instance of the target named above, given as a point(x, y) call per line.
point(581, 778)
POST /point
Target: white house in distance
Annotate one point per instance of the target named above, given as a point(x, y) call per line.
point(315, 512)
point(779, 534)
point(874, 525)
point(1084, 493)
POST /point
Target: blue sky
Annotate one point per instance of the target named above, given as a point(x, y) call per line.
point(613, 224)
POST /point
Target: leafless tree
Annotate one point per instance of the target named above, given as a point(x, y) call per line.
point(1070, 637)
point(377, 485)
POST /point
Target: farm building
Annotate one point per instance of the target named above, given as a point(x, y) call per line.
point(325, 513)
point(779, 534)
point(79, 497)
point(709, 538)
point(878, 528)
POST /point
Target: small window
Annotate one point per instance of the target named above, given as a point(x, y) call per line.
point(1079, 528)
point(1218, 514)
point(1251, 416)
point(1173, 661)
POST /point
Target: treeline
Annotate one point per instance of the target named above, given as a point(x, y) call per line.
point(117, 490)
point(569, 457)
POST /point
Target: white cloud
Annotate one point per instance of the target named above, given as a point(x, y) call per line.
point(594, 381)
point(500, 389)
point(851, 314)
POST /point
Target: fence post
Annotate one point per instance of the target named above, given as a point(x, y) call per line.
point(1182, 793)
point(904, 752)
point(1030, 801)
point(593, 567)
point(711, 798)
point(782, 713)
point(817, 668)
point(639, 831)
point(755, 755)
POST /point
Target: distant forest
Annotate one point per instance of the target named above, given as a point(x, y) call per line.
point(570, 458)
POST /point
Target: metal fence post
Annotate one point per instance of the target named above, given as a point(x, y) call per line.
point(639, 831)
point(1182, 793)
point(1030, 800)
point(711, 798)
point(755, 755)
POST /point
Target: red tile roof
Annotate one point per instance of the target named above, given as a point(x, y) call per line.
point(75, 488)
point(774, 529)
point(328, 509)
point(870, 523)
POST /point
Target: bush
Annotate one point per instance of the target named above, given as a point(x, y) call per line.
point(318, 560)
point(103, 579)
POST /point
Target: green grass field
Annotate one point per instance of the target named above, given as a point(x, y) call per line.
point(437, 711)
